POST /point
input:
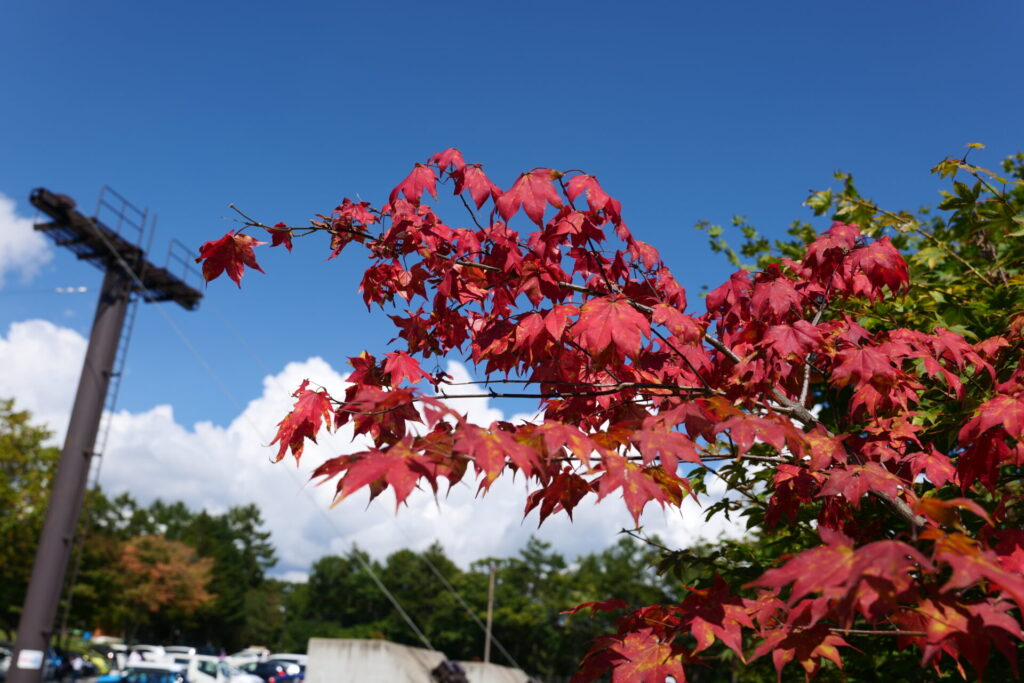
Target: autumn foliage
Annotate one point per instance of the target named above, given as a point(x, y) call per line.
point(834, 388)
point(161, 574)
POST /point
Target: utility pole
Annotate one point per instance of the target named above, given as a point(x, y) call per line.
point(490, 615)
point(127, 272)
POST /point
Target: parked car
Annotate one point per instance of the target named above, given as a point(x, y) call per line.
point(148, 672)
point(94, 663)
point(213, 669)
point(116, 654)
point(248, 656)
point(239, 676)
point(152, 653)
point(276, 671)
point(5, 662)
point(299, 659)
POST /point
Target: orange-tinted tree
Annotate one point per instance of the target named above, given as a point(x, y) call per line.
point(161, 574)
point(871, 406)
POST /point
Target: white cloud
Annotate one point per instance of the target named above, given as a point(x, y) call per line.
point(22, 249)
point(209, 466)
point(39, 366)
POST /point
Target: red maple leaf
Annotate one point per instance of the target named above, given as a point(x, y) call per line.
point(800, 338)
point(473, 178)
point(945, 511)
point(745, 429)
point(860, 364)
point(646, 657)
point(959, 628)
point(312, 409)
point(668, 446)
point(401, 365)
point(450, 157)
point(714, 612)
point(637, 484)
point(596, 196)
point(282, 236)
point(982, 459)
point(349, 212)
point(972, 563)
point(1010, 549)
point(609, 605)
point(557, 435)
point(1000, 411)
point(556, 318)
point(645, 253)
point(806, 646)
point(398, 466)
point(529, 330)
point(772, 299)
point(883, 265)
point(611, 320)
point(421, 178)
point(853, 481)
point(825, 449)
point(533, 191)
point(489, 448)
point(815, 569)
point(382, 414)
point(562, 493)
point(936, 466)
point(682, 326)
point(230, 253)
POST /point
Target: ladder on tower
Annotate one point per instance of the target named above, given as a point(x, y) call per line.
point(123, 218)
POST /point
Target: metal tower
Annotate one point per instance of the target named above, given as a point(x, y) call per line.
point(128, 275)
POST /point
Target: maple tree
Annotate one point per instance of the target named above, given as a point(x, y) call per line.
point(161, 574)
point(867, 406)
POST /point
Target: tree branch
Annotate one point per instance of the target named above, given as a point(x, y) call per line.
point(869, 632)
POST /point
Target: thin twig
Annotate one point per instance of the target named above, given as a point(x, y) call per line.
point(472, 214)
point(887, 632)
point(806, 383)
point(624, 386)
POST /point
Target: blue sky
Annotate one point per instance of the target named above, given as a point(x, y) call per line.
point(685, 111)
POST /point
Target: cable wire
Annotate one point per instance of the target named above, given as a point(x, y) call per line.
point(458, 596)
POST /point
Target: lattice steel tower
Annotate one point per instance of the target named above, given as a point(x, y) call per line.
point(128, 277)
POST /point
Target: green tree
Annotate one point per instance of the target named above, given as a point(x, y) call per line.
point(27, 467)
point(534, 589)
point(342, 600)
point(244, 606)
point(242, 554)
point(531, 592)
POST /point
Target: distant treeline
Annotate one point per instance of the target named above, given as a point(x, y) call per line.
point(163, 573)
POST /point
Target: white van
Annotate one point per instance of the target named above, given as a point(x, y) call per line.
point(211, 669)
